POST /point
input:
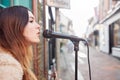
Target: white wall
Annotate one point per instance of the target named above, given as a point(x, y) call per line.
point(104, 38)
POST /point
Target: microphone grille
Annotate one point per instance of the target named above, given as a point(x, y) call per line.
point(47, 33)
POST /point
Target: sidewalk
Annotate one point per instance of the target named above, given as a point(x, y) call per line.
point(103, 66)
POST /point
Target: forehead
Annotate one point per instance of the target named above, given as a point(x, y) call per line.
point(30, 14)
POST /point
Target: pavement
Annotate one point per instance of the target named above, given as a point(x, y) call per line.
point(103, 65)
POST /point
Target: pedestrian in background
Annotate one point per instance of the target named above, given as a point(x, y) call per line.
point(18, 31)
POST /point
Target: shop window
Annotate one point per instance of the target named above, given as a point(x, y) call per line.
point(2, 6)
point(116, 34)
point(26, 3)
point(5, 3)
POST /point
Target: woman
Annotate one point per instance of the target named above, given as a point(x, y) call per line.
point(18, 31)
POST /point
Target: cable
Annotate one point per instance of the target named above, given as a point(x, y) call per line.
point(89, 67)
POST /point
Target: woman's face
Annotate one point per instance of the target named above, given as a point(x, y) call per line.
point(32, 30)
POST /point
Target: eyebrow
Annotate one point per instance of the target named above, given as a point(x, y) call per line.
point(31, 17)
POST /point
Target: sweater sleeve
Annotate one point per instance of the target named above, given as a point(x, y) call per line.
point(10, 69)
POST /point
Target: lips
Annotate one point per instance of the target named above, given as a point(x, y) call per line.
point(38, 33)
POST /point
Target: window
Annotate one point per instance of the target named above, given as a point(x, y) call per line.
point(116, 34)
point(4, 3)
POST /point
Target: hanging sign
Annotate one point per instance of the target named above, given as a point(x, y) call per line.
point(59, 3)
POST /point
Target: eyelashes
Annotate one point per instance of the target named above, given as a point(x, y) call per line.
point(31, 21)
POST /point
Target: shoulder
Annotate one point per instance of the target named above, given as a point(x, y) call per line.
point(8, 59)
point(10, 68)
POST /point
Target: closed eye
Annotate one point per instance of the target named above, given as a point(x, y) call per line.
point(31, 21)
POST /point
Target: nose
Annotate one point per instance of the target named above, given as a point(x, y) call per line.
point(37, 25)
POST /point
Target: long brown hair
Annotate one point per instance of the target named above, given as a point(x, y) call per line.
point(12, 23)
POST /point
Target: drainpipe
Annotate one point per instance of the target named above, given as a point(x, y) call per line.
point(45, 47)
point(57, 40)
point(35, 49)
point(34, 8)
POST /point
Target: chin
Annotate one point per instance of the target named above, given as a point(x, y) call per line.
point(35, 41)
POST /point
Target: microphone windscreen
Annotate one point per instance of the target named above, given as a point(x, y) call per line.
point(47, 33)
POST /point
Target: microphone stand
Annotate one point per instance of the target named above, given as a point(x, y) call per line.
point(75, 40)
point(76, 49)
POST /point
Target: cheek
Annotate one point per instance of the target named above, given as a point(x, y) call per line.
point(28, 33)
point(31, 36)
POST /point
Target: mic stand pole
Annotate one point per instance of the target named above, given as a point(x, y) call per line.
point(76, 49)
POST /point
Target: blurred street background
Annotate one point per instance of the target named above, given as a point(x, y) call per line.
point(103, 66)
point(96, 21)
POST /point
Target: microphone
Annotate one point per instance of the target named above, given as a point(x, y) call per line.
point(51, 34)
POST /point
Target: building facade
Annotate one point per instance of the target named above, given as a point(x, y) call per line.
point(109, 30)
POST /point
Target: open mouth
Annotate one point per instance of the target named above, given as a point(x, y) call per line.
point(38, 33)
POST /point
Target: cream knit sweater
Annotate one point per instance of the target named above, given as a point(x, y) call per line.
point(10, 68)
